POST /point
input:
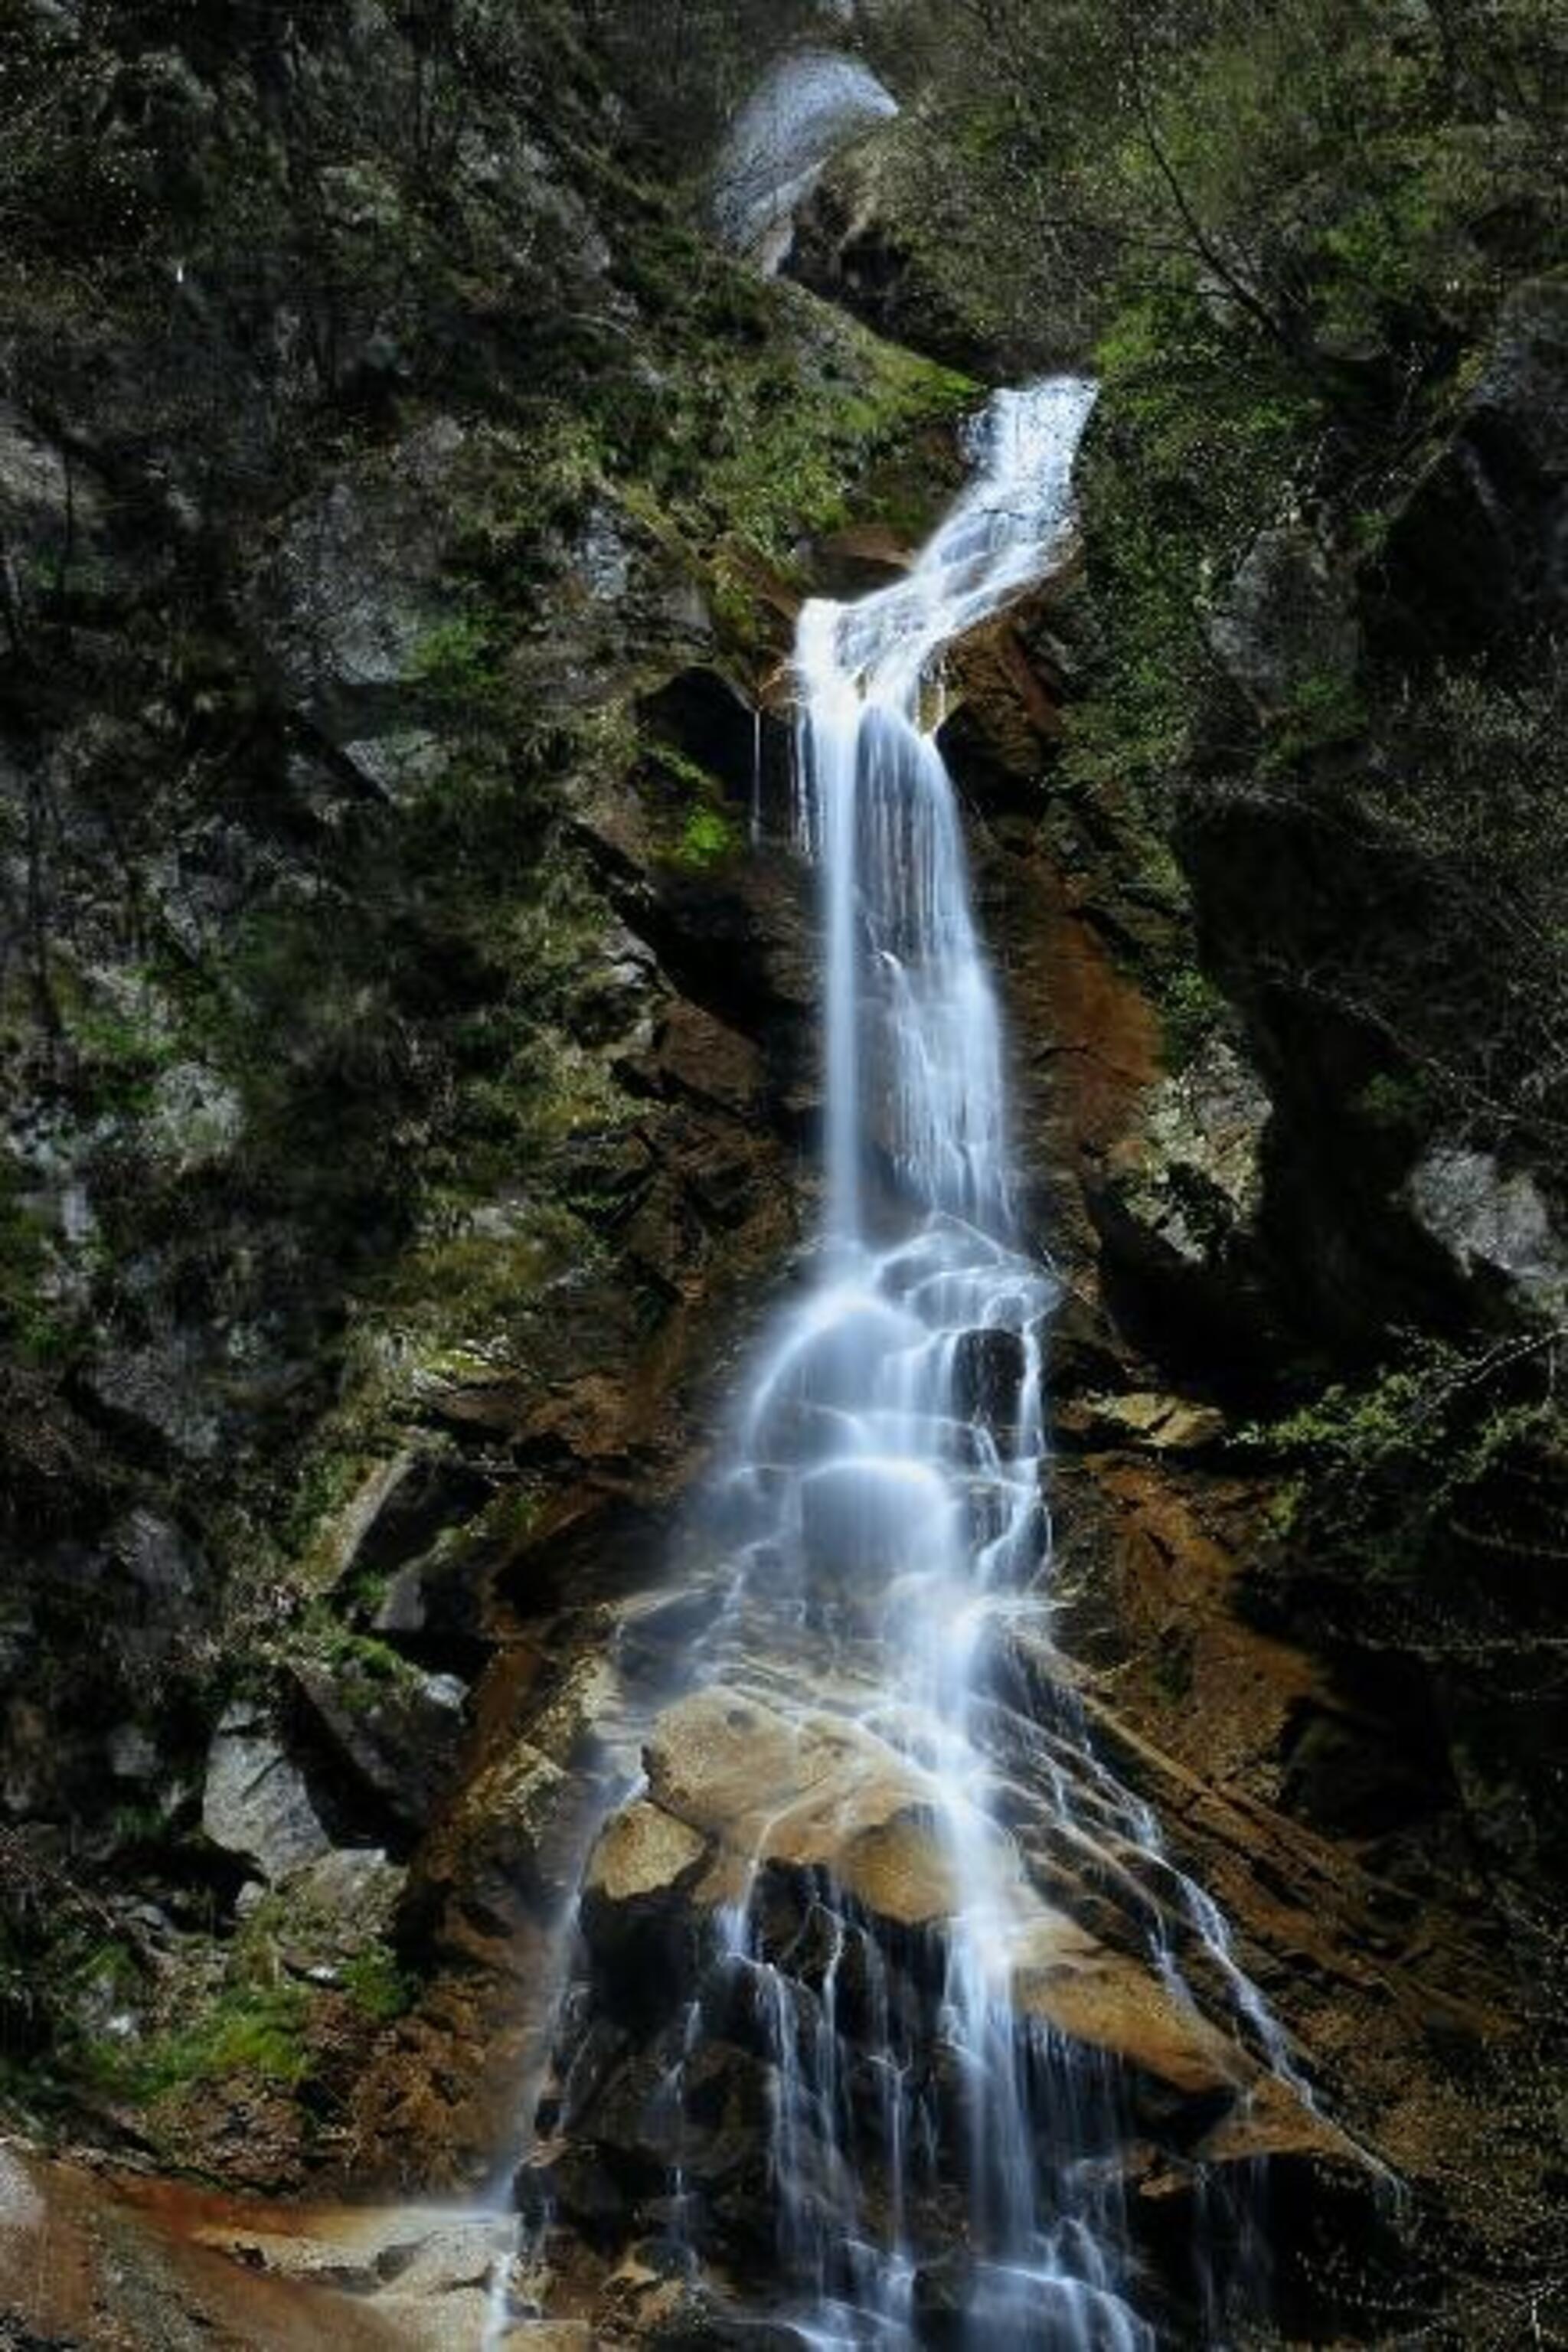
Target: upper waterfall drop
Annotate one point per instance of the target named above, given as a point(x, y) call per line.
point(880, 815)
point(806, 110)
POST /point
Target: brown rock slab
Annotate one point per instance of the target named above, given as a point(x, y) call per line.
point(813, 1792)
point(1074, 1984)
point(642, 1852)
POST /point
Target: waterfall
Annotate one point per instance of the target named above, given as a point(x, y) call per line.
point(807, 108)
point(907, 1825)
point(892, 1446)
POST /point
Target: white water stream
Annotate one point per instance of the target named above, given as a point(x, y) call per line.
point(892, 1450)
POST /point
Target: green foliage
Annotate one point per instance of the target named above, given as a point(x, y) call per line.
point(257, 2030)
point(698, 831)
point(707, 838)
point(361, 1666)
point(1322, 173)
point(1465, 811)
point(1322, 711)
point(1380, 1468)
point(1191, 1008)
point(379, 1988)
point(457, 662)
point(1201, 447)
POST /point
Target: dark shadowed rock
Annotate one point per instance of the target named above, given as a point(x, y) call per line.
point(385, 1751)
point(1478, 556)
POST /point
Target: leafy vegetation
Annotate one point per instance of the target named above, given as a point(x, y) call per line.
point(1387, 1465)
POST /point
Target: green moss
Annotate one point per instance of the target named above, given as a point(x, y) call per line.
point(457, 660)
point(1202, 447)
point(362, 1666)
point(786, 444)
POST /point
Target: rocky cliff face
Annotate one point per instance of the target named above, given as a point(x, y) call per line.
point(406, 1070)
point(410, 1077)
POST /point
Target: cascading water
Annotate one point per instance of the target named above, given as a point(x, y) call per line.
point(945, 2127)
point(892, 1449)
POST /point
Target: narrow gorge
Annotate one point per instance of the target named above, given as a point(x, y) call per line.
point(782, 1248)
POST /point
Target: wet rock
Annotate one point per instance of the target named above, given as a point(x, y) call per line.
point(988, 1371)
point(1330, 2215)
point(635, 1909)
point(255, 1802)
point(643, 1856)
point(942, 2298)
point(859, 1531)
point(816, 1795)
point(812, 1793)
point(1068, 1980)
point(656, 1629)
point(576, 2182)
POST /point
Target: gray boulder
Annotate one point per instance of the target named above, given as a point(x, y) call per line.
point(1494, 1226)
point(255, 1803)
point(1287, 630)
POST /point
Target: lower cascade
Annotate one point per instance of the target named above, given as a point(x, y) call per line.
point(893, 2022)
